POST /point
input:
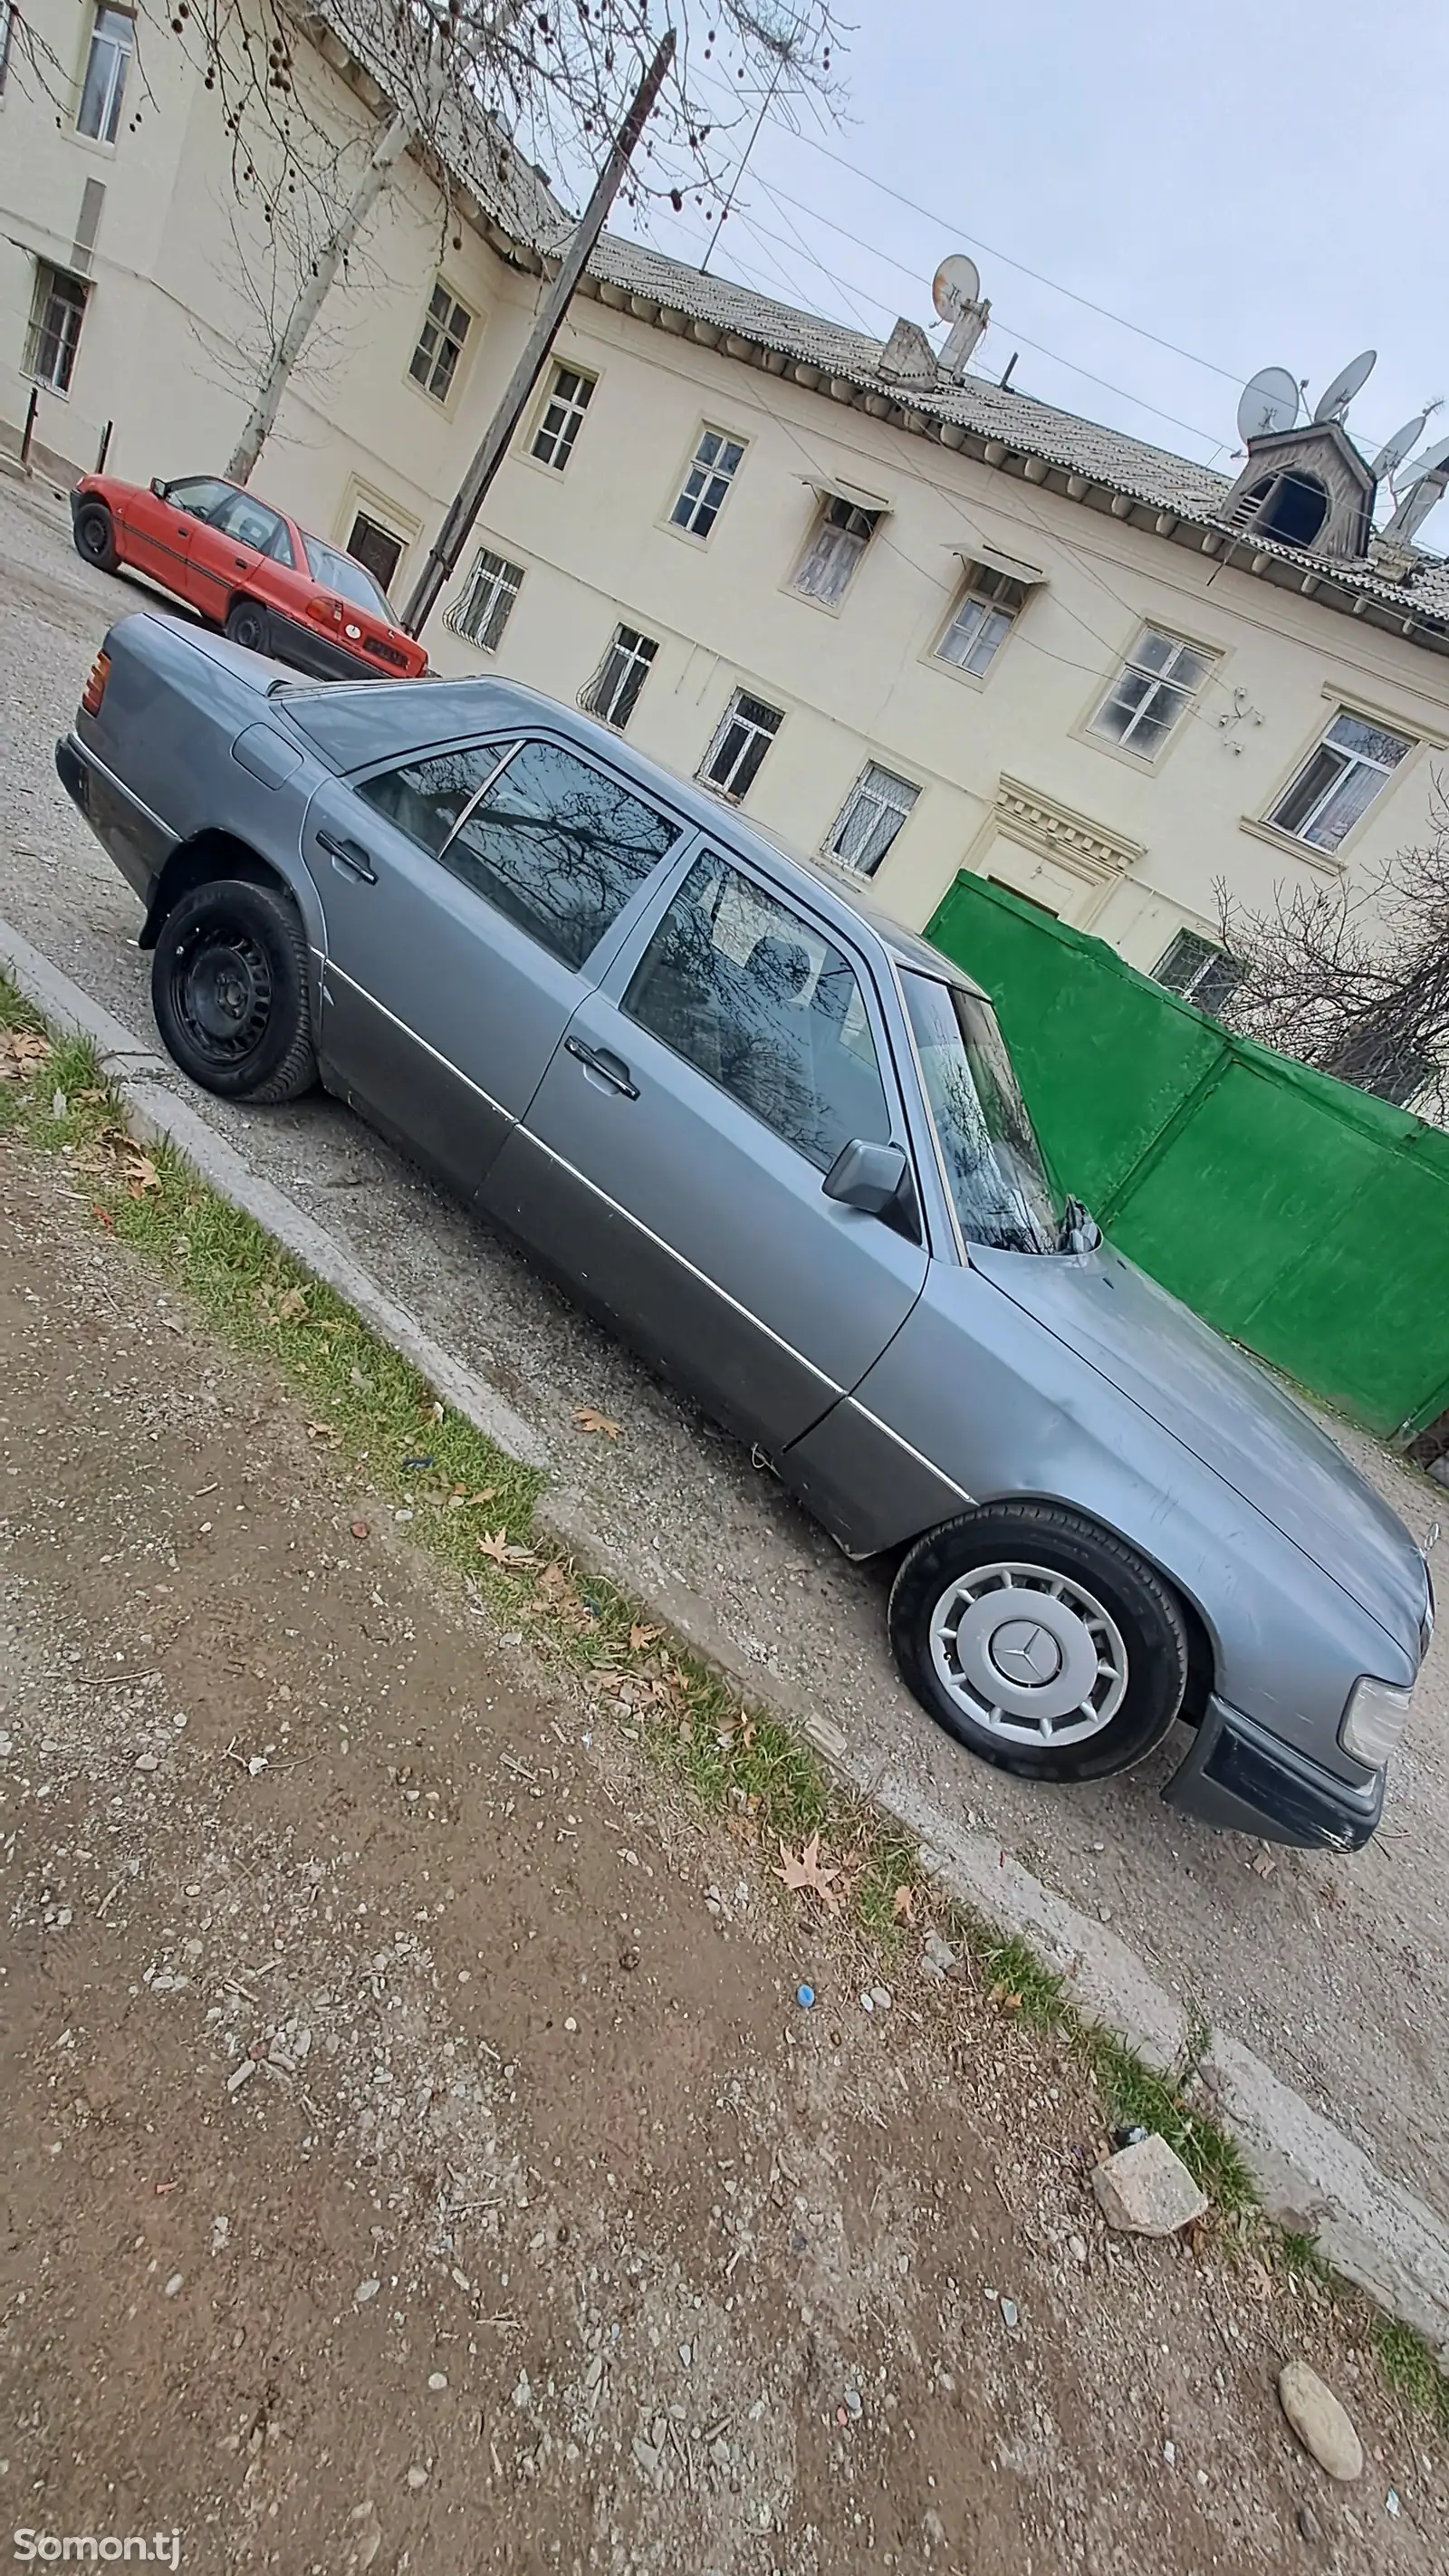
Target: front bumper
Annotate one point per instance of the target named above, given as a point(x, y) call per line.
point(1240, 1777)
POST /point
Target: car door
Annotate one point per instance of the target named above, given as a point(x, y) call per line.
point(673, 1160)
point(237, 547)
point(464, 892)
point(158, 527)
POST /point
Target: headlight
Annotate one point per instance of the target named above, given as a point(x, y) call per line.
point(1374, 1721)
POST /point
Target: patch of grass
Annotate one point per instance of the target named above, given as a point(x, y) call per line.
point(472, 1507)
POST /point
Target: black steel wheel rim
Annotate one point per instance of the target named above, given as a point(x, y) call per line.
point(248, 629)
point(221, 985)
point(94, 534)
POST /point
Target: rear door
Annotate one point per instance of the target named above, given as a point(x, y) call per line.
point(674, 1158)
point(466, 893)
point(238, 547)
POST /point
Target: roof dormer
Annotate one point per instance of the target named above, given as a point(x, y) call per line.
point(1306, 487)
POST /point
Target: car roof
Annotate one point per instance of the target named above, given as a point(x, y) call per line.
point(356, 724)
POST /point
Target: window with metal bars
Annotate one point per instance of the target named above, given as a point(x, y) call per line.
point(563, 417)
point(613, 692)
point(1155, 686)
point(487, 603)
point(1198, 972)
point(873, 813)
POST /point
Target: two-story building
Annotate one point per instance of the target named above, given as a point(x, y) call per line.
point(913, 620)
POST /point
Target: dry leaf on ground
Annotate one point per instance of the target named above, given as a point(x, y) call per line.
point(901, 1905)
point(640, 1637)
point(589, 1420)
point(141, 1174)
point(804, 1869)
point(323, 1431)
point(293, 1305)
point(19, 1050)
point(497, 1546)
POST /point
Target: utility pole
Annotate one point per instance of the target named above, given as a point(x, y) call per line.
point(453, 535)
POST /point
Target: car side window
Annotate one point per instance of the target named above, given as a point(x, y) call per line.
point(200, 496)
point(761, 1003)
point(556, 845)
point(251, 523)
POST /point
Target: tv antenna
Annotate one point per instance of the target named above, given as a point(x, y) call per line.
point(956, 294)
point(1350, 381)
point(1267, 403)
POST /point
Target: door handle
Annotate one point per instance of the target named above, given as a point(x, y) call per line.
point(607, 1067)
point(349, 856)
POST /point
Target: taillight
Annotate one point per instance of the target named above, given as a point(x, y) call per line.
point(95, 687)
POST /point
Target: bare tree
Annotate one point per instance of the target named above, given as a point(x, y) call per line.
point(1357, 983)
point(481, 92)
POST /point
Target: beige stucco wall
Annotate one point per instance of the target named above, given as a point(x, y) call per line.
point(1130, 850)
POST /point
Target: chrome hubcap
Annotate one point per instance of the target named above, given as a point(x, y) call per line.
point(1028, 1654)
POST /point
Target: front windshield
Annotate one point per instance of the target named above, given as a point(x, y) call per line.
point(992, 1161)
point(345, 575)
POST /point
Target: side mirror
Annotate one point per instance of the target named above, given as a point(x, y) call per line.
point(159, 488)
point(868, 1177)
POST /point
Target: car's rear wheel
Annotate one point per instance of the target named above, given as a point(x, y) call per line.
point(95, 536)
point(229, 989)
point(247, 623)
point(1039, 1641)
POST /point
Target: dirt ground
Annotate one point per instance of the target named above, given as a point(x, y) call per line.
point(417, 2155)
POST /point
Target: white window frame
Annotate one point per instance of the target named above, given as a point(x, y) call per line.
point(613, 692)
point(106, 39)
point(52, 285)
point(445, 334)
point(1208, 962)
point(697, 493)
point(997, 602)
point(568, 397)
point(483, 609)
point(1166, 688)
point(1354, 762)
point(886, 803)
point(834, 550)
point(752, 732)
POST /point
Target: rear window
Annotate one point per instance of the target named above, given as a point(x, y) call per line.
point(348, 578)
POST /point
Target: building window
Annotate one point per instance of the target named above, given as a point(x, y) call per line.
point(873, 812)
point(732, 762)
point(56, 314)
point(1156, 683)
point(1200, 973)
point(716, 463)
point(487, 603)
point(376, 548)
point(563, 417)
point(613, 693)
point(440, 344)
point(981, 620)
point(1339, 781)
point(838, 540)
point(113, 40)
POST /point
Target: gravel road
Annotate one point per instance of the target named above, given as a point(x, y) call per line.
point(1335, 1971)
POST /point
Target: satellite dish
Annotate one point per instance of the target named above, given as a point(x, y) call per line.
point(1267, 403)
point(955, 287)
point(1431, 462)
point(1333, 404)
point(1388, 460)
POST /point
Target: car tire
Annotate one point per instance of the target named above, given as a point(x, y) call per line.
point(95, 536)
point(1076, 1677)
point(229, 990)
point(247, 623)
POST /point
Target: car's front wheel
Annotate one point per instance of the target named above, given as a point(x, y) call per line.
point(95, 536)
point(229, 989)
point(1039, 1641)
point(247, 623)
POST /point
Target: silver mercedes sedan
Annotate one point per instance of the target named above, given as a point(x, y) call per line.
point(777, 1142)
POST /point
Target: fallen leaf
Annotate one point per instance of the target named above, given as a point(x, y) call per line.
point(1003, 1996)
point(588, 1420)
point(501, 1550)
point(805, 1870)
point(901, 1905)
point(292, 1306)
point(323, 1431)
point(19, 1050)
point(141, 1174)
point(640, 1637)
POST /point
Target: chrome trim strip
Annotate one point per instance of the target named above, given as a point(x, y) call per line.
point(475, 799)
point(876, 1424)
point(702, 1276)
point(331, 968)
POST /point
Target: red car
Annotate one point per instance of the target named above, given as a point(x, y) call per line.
point(248, 570)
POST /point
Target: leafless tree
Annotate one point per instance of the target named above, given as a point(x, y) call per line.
point(1357, 983)
point(483, 92)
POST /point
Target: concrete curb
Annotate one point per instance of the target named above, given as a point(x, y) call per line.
point(1313, 2178)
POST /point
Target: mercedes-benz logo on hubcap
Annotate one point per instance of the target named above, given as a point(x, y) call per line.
point(1026, 1653)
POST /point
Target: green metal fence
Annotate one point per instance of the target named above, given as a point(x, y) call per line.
point(1304, 1218)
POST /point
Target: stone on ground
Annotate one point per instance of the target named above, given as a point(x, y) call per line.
point(1148, 2190)
point(1319, 2421)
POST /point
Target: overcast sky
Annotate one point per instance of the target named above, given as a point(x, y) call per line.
point(1260, 183)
